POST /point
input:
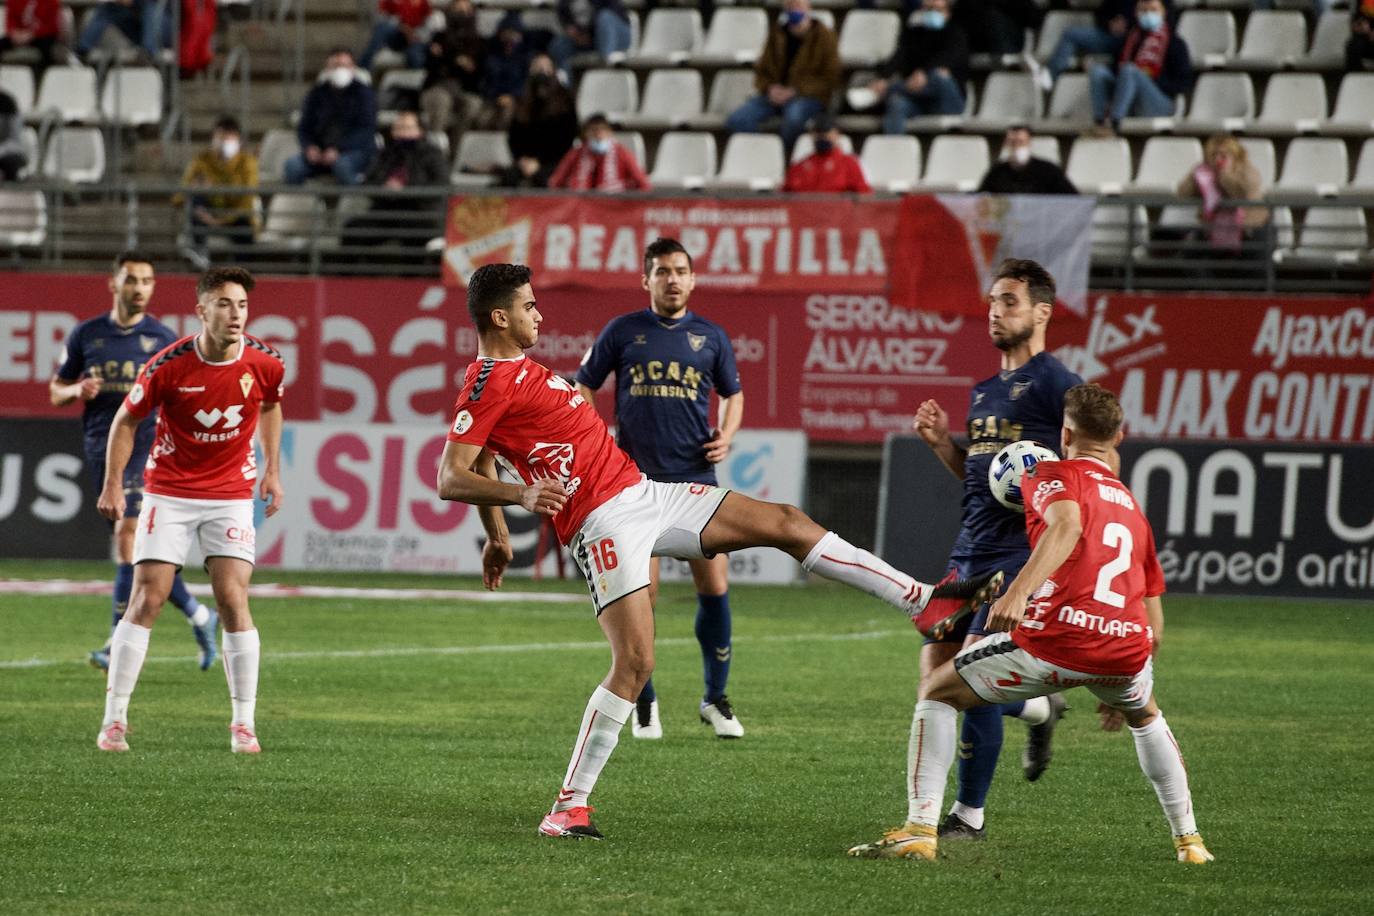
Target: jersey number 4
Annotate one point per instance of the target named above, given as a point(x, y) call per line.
point(603, 555)
point(1115, 535)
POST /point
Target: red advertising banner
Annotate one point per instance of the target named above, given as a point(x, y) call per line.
point(598, 242)
point(841, 366)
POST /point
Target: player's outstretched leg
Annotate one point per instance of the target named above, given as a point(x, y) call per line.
point(128, 648)
point(204, 622)
point(629, 627)
point(1162, 763)
point(742, 522)
point(229, 577)
point(930, 753)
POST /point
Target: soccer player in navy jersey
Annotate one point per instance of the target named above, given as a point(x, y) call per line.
point(102, 359)
point(667, 361)
point(1023, 400)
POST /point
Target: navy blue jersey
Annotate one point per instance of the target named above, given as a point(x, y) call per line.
point(102, 349)
point(1026, 403)
point(665, 370)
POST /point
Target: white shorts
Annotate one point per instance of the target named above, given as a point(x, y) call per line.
point(167, 524)
point(1000, 671)
point(650, 519)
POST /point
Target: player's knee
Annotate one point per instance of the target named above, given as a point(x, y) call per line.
point(636, 663)
point(1139, 718)
point(794, 527)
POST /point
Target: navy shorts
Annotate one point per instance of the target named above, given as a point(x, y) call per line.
point(967, 567)
point(133, 481)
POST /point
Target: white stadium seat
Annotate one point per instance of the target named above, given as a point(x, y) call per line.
point(671, 36)
point(1165, 162)
point(70, 91)
point(1354, 113)
point(1314, 166)
point(893, 163)
point(1333, 234)
point(1008, 98)
point(1273, 39)
point(278, 145)
point(482, 150)
point(1221, 102)
point(1056, 21)
point(736, 36)
point(1210, 36)
point(23, 218)
point(293, 219)
point(1070, 102)
point(956, 163)
point(1293, 103)
point(868, 37)
point(753, 161)
point(685, 159)
point(613, 93)
point(132, 96)
point(729, 89)
point(1328, 42)
point(1100, 165)
point(75, 154)
point(18, 82)
point(1260, 151)
point(671, 99)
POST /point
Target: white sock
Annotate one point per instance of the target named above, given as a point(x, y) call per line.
point(598, 736)
point(128, 648)
point(971, 816)
point(835, 558)
point(1036, 711)
point(1162, 763)
point(929, 755)
point(200, 617)
point(241, 653)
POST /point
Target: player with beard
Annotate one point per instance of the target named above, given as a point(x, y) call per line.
point(1023, 400)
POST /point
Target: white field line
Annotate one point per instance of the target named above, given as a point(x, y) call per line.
point(275, 590)
point(271, 657)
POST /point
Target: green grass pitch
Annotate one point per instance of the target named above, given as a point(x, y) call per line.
point(411, 747)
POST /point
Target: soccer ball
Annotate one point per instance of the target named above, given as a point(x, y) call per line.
point(1010, 465)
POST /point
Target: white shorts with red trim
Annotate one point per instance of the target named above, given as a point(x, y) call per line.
point(166, 525)
point(1000, 671)
point(650, 519)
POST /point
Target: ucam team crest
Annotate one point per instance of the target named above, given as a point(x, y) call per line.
point(147, 343)
point(697, 341)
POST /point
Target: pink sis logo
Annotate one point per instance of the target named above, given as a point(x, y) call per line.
point(553, 460)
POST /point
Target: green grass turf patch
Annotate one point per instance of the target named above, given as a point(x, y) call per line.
point(413, 781)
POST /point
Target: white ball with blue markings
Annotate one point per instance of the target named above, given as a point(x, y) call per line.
point(1009, 467)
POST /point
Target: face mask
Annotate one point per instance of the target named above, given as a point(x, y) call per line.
point(229, 149)
point(600, 147)
point(1017, 154)
point(824, 146)
point(794, 17)
point(340, 77)
point(934, 19)
point(1150, 21)
point(406, 143)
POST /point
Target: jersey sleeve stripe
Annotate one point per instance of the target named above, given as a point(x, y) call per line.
point(481, 383)
point(170, 355)
point(259, 345)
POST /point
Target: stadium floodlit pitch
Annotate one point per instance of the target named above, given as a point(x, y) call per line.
point(411, 747)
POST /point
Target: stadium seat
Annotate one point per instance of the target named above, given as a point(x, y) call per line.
point(1100, 165)
point(29, 139)
point(293, 220)
point(956, 163)
point(1056, 21)
point(671, 98)
point(23, 218)
point(1363, 182)
point(132, 96)
point(868, 37)
point(671, 36)
point(1118, 231)
point(1336, 234)
point(1293, 103)
point(1008, 98)
point(1328, 42)
point(1210, 34)
point(729, 89)
point(75, 154)
point(479, 150)
point(1165, 162)
point(69, 91)
point(753, 161)
point(825, 17)
point(278, 145)
point(736, 36)
point(1273, 39)
point(892, 163)
point(398, 90)
point(1046, 147)
point(1314, 166)
point(1222, 102)
point(1281, 218)
point(633, 141)
point(685, 159)
point(613, 93)
point(1354, 113)
point(805, 146)
point(18, 82)
point(1260, 150)
point(1071, 105)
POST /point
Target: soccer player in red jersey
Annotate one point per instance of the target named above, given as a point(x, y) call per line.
point(612, 518)
point(213, 391)
point(1084, 611)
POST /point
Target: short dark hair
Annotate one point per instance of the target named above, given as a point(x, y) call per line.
point(129, 256)
point(216, 277)
point(340, 49)
point(230, 125)
point(491, 287)
point(1039, 283)
point(595, 120)
point(1094, 411)
point(1021, 127)
point(660, 247)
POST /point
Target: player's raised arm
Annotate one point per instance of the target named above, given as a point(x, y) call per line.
point(118, 448)
point(1063, 528)
point(931, 423)
point(459, 482)
point(269, 436)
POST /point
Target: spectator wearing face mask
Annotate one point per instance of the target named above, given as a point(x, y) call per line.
point(1018, 172)
point(600, 163)
point(828, 168)
point(407, 161)
point(226, 164)
point(1153, 68)
point(503, 73)
point(927, 73)
point(338, 122)
point(452, 93)
point(543, 129)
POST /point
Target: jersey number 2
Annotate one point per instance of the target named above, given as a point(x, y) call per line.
point(1119, 536)
point(603, 555)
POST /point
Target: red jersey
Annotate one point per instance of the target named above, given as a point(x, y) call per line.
point(1090, 613)
point(209, 412)
point(832, 171)
point(538, 423)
